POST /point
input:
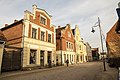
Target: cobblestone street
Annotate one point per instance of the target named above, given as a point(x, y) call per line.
point(85, 71)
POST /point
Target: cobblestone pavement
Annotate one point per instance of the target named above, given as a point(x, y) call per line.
point(85, 71)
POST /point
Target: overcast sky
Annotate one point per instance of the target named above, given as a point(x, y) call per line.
point(83, 13)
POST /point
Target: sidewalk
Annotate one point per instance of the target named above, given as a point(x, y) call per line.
point(109, 74)
point(13, 73)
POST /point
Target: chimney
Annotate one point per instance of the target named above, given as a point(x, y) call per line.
point(68, 24)
point(34, 6)
point(6, 25)
point(34, 10)
point(15, 20)
point(58, 26)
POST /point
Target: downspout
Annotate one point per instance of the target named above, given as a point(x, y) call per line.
point(22, 53)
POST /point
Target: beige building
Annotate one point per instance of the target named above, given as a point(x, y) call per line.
point(89, 52)
point(35, 35)
point(83, 51)
point(80, 46)
point(40, 44)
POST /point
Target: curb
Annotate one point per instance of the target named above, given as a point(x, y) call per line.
point(16, 73)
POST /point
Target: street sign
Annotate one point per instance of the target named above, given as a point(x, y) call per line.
point(103, 53)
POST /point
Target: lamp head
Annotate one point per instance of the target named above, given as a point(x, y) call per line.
point(93, 30)
point(119, 4)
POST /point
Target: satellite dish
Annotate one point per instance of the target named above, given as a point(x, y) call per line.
point(119, 4)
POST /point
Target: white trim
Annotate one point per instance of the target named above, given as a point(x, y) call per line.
point(44, 13)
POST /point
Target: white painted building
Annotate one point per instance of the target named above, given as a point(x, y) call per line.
point(39, 42)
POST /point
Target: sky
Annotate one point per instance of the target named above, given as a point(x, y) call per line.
point(83, 13)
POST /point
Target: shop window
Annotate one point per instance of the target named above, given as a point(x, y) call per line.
point(32, 56)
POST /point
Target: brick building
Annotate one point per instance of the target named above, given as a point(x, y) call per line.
point(95, 54)
point(35, 35)
point(2, 44)
point(113, 41)
point(65, 45)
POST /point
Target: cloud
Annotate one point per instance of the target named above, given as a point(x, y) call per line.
point(84, 13)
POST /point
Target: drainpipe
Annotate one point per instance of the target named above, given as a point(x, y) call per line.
point(2, 43)
point(61, 48)
point(23, 36)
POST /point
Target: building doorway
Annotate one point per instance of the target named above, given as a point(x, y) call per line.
point(49, 56)
point(64, 58)
point(42, 58)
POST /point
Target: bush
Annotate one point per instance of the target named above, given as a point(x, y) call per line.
point(114, 62)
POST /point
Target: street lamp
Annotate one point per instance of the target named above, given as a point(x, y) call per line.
point(97, 24)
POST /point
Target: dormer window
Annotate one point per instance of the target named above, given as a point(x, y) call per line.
point(43, 20)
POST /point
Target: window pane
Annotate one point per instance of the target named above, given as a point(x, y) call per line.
point(42, 20)
point(49, 37)
point(32, 56)
point(34, 33)
point(42, 35)
point(67, 44)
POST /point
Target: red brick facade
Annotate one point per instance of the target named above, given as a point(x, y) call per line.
point(62, 37)
point(113, 41)
point(13, 33)
point(37, 20)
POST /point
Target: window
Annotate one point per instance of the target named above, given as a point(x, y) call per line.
point(32, 56)
point(49, 37)
point(69, 35)
point(42, 36)
point(67, 44)
point(71, 46)
point(34, 33)
point(42, 20)
point(80, 47)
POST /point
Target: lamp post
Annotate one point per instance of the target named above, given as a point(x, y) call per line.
point(98, 24)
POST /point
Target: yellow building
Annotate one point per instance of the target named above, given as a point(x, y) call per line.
point(80, 46)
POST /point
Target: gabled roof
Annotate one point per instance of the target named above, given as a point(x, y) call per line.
point(44, 11)
point(73, 31)
point(6, 27)
point(61, 28)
